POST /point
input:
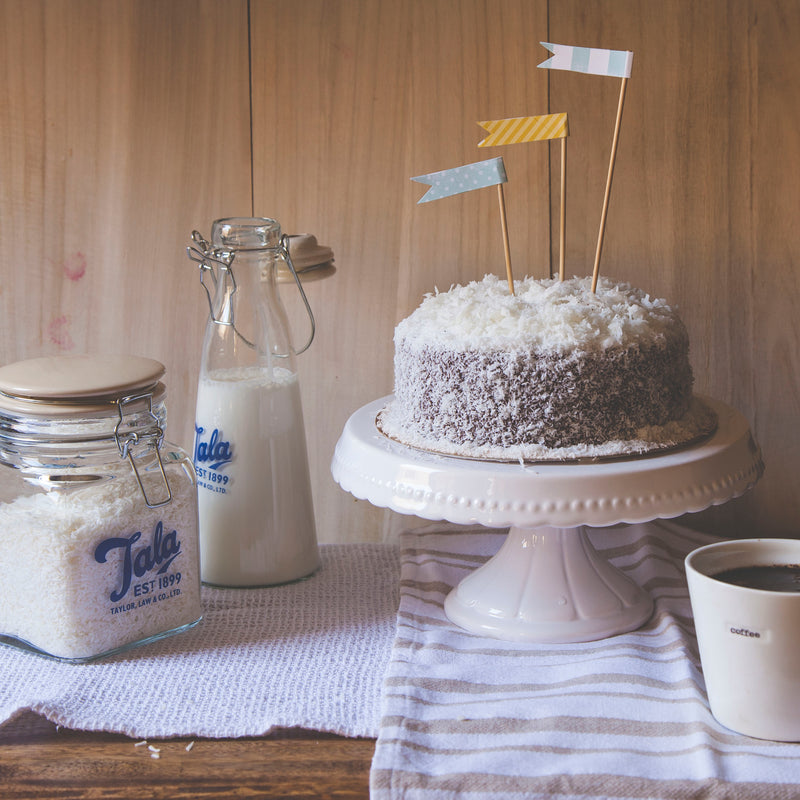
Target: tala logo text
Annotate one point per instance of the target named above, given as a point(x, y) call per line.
point(214, 453)
point(158, 555)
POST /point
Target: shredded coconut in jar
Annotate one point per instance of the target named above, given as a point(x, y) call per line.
point(87, 571)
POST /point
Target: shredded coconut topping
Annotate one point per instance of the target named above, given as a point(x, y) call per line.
point(547, 315)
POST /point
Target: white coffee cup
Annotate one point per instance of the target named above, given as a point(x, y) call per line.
point(749, 639)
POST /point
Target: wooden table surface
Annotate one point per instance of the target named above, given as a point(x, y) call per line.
point(39, 760)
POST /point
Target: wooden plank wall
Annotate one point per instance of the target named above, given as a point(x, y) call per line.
point(124, 124)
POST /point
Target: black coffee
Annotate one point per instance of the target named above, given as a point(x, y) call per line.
point(772, 577)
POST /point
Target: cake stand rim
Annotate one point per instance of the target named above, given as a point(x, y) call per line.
point(389, 474)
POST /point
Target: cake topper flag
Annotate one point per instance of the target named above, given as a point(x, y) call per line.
point(447, 182)
point(592, 60)
point(516, 130)
point(524, 129)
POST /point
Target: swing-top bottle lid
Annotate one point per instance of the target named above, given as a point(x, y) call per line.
point(311, 260)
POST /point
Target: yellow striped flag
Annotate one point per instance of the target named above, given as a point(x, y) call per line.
point(524, 129)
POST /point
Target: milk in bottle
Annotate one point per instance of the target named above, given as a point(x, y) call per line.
point(256, 517)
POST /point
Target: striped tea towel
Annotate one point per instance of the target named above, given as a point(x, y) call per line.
point(626, 717)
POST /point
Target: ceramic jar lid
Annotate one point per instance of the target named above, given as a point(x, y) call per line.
point(75, 383)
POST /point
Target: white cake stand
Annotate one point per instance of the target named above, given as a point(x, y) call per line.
point(547, 583)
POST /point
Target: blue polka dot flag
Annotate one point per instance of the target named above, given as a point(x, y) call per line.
point(491, 172)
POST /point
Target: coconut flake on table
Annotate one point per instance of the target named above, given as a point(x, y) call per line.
point(549, 315)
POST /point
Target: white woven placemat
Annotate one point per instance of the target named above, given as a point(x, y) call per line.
point(310, 654)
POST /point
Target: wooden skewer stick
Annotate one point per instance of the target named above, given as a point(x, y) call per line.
point(563, 238)
point(502, 200)
point(596, 271)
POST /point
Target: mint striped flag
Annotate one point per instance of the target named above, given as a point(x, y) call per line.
point(614, 63)
point(463, 179)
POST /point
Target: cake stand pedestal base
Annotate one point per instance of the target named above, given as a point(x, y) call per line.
point(548, 585)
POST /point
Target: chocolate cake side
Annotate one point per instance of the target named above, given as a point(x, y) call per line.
point(481, 398)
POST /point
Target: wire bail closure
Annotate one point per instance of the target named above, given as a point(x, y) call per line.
point(284, 250)
point(206, 255)
point(132, 438)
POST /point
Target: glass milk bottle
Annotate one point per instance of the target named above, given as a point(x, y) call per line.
point(256, 518)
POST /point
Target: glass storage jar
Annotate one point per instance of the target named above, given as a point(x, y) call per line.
point(98, 513)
